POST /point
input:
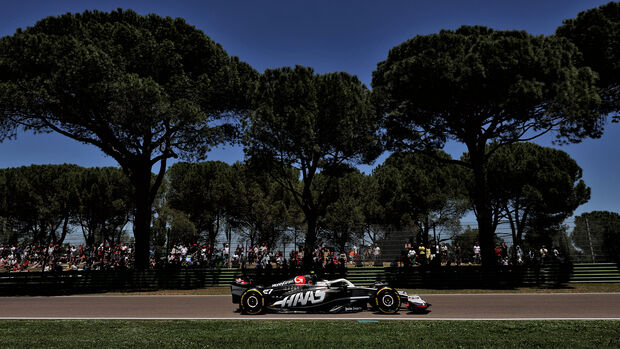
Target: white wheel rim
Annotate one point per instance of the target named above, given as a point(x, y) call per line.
point(388, 300)
point(252, 301)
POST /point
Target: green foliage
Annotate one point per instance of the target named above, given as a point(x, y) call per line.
point(375, 224)
point(39, 201)
point(307, 120)
point(124, 82)
point(344, 221)
point(105, 204)
point(203, 191)
point(43, 202)
point(418, 191)
point(315, 124)
point(262, 210)
point(601, 231)
point(7, 127)
point(535, 188)
point(479, 86)
point(173, 227)
point(499, 83)
point(595, 32)
point(141, 88)
point(210, 197)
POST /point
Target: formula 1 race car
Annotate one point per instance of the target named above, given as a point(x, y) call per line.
point(306, 294)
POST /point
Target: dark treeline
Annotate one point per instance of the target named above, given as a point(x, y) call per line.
point(210, 202)
point(146, 89)
point(43, 203)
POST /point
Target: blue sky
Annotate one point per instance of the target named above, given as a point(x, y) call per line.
point(336, 35)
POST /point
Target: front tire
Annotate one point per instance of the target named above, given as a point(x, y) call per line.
point(387, 300)
point(252, 302)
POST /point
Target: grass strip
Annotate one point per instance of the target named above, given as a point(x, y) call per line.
point(307, 334)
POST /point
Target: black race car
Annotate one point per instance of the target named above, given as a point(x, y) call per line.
point(305, 293)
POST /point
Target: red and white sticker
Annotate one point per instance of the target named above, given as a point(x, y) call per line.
point(300, 280)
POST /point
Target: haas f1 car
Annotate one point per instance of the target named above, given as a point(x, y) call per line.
point(306, 294)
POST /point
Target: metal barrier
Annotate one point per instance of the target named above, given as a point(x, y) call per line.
point(454, 277)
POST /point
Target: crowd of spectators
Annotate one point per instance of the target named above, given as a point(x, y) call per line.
point(444, 254)
point(54, 257)
point(194, 255)
point(261, 256)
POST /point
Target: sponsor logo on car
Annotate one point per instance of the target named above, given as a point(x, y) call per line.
point(284, 283)
point(352, 308)
point(300, 280)
point(303, 298)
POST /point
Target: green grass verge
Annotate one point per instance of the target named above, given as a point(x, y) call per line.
point(308, 334)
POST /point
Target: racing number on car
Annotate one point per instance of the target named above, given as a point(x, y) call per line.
point(300, 280)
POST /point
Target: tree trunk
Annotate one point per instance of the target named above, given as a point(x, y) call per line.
point(65, 230)
point(513, 228)
point(52, 233)
point(310, 240)
point(214, 230)
point(344, 239)
point(141, 179)
point(521, 228)
point(484, 212)
point(87, 232)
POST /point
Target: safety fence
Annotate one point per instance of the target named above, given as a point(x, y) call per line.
point(453, 277)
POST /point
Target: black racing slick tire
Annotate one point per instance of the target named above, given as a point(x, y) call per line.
point(252, 302)
point(387, 300)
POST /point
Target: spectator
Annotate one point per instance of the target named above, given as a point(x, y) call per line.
point(518, 254)
point(226, 252)
point(457, 254)
point(498, 254)
point(422, 250)
point(543, 254)
point(411, 254)
point(444, 254)
point(504, 250)
point(477, 258)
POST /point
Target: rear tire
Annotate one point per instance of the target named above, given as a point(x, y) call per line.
point(387, 300)
point(252, 302)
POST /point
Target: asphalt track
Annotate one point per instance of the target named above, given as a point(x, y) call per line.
point(444, 307)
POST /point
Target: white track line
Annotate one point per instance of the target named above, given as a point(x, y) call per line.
point(307, 318)
point(519, 294)
point(223, 295)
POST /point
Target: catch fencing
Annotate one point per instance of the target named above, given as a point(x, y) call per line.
point(448, 277)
